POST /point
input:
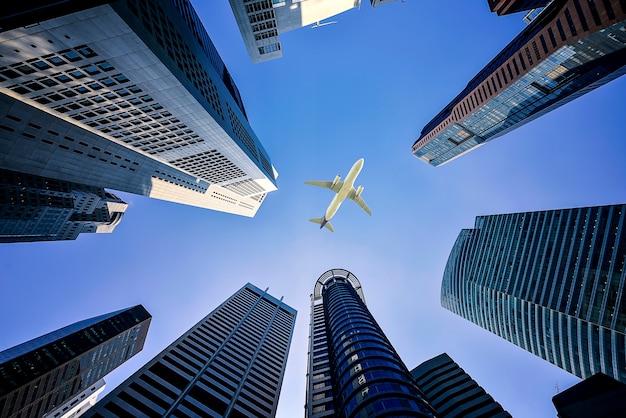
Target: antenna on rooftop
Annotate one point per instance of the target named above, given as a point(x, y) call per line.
point(318, 24)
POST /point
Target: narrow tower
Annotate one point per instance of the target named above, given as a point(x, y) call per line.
point(353, 370)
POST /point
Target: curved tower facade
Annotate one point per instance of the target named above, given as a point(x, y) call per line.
point(551, 282)
point(353, 369)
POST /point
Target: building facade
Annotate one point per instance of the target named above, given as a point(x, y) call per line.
point(505, 7)
point(452, 392)
point(551, 282)
point(597, 396)
point(262, 21)
point(79, 404)
point(48, 372)
point(229, 364)
point(353, 370)
point(570, 48)
point(34, 208)
point(130, 95)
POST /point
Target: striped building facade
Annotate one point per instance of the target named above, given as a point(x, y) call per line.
point(452, 392)
point(551, 282)
point(231, 363)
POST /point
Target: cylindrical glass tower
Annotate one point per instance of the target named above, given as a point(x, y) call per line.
point(353, 369)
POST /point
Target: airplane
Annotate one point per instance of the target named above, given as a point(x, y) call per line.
point(343, 189)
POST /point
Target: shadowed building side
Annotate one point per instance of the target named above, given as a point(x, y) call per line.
point(44, 373)
point(34, 208)
point(598, 396)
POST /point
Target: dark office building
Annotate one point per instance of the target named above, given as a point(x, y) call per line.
point(570, 48)
point(34, 208)
point(551, 282)
point(452, 392)
point(598, 396)
point(229, 364)
point(42, 374)
point(353, 370)
point(505, 7)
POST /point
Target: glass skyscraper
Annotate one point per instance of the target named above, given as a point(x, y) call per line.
point(229, 364)
point(570, 48)
point(353, 370)
point(452, 392)
point(41, 375)
point(128, 95)
point(551, 282)
point(34, 208)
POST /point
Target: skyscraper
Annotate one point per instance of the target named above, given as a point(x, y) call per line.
point(129, 95)
point(262, 21)
point(570, 48)
point(551, 282)
point(452, 392)
point(34, 208)
point(229, 364)
point(353, 370)
point(42, 374)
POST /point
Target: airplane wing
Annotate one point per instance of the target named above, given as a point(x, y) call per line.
point(359, 201)
point(326, 184)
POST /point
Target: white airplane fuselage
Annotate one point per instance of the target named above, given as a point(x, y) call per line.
point(341, 195)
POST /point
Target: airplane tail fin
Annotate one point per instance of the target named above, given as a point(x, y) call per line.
point(322, 222)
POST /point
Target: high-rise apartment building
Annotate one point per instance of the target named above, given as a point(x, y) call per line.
point(551, 282)
point(353, 370)
point(43, 374)
point(34, 208)
point(262, 21)
point(229, 364)
point(570, 48)
point(129, 95)
point(452, 392)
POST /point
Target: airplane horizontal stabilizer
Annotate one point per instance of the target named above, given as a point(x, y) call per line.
point(319, 222)
point(326, 184)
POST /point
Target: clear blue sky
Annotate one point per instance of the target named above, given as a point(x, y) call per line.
point(364, 87)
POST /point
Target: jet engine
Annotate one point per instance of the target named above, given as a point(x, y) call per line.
point(336, 180)
point(359, 191)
